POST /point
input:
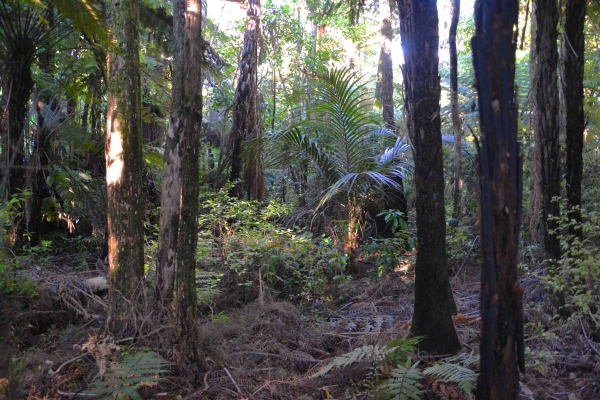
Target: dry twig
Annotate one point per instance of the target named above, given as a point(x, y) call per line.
point(588, 339)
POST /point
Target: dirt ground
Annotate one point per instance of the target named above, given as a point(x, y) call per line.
point(270, 351)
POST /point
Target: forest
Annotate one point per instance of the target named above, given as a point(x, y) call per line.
point(300, 199)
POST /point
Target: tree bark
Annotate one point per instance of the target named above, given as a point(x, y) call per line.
point(433, 302)
point(456, 122)
point(170, 205)
point(572, 58)
point(500, 174)
point(546, 129)
point(246, 114)
point(384, 92)
point(186, 327)
point(124, 167)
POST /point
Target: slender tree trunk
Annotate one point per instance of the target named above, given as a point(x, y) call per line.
point(433, 301)
point(246, 114)
point(500, 172)
point(171, 186)
point(535, 174)
point(572, 57)
point(38, 162)
point(186, 311)
point(546, 130)
point(124, 167)
point(456, 122)
point(384, 92)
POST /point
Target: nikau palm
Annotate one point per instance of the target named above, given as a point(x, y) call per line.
point(344, 145)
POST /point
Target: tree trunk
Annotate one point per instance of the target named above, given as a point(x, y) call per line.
point(535, 174)
point(186, 327)
point(246, 114)
point(170, 205)
point(500, 172)
point(456, 122)
point(124, 167)
point(546, 129)
point(384, 92)
point(572, 57)
point(433, 302)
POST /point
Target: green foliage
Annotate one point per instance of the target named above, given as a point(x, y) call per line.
point(404, 382)
point(345, 146)
point(457, 370)
point(371, 353)
point(12, 287)
point(244, 236)
point(458, 242)
point(123, 378)
point(580, 264)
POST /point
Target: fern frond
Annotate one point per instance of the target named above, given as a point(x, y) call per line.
point(404, 383)
point(123, 378)
point(364, 353)
point(455, 370)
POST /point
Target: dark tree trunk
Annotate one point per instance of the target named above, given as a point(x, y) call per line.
point(572, 57)
point(39, 191)
point(433, 301)
point(246, 113)
point(171, 185)
point(125, 206)
point(456, 122)
point(186, 308)
point(546, 129)
point(38, 162)
point(500, 172)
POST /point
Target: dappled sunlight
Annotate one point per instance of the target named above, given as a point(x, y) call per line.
point(114, 156)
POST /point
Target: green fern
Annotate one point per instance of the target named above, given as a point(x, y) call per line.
point(456, 370)
point(404, 383)
point(206, 285)
point(123, 378)
point(365, 353)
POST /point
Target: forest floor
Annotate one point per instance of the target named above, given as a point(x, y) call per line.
point(270, 350)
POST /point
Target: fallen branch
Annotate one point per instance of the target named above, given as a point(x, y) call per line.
point(67, 363)
point(67, 394)
point(131, 338)
point(588, 339)
point(468, 256)
point(234, 382)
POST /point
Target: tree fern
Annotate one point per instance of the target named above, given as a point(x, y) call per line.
point(124, 377)
point(404, 383)
point(455, 369)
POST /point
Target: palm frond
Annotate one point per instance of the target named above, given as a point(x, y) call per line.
point(343, 140)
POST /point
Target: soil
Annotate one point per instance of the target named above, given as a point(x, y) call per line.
point(270, 350)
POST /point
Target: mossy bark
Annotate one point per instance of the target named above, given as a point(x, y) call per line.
point(171, 182)
point(456, 122)
point(433, 300)
point(124, 167)
point(246, 114)
point(186, 308)
point(546, 130)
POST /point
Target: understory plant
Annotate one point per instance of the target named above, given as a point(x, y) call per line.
point(244, 240)
point(352, 152)
point(579, 274)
